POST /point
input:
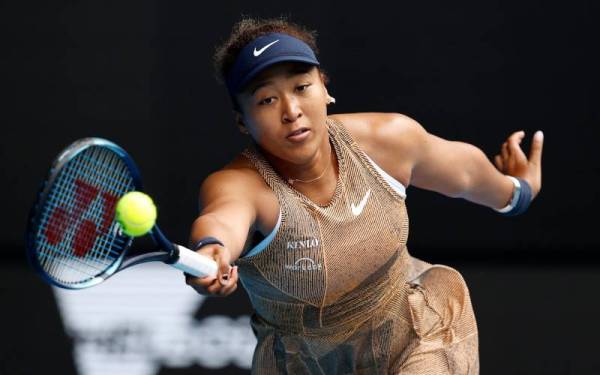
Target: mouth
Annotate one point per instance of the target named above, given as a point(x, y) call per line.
point(298, 134)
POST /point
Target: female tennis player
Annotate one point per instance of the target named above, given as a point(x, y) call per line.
point(313, 217)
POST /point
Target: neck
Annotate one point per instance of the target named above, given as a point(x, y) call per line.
point(291, 181)
point(318, 171)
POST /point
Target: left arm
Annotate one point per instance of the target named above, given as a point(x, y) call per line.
point(403, 148)
point(462, 170)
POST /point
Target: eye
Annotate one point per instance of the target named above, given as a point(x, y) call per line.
point(303, 88)
point(266, 101)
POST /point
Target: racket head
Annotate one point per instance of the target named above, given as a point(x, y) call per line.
point(73, 240)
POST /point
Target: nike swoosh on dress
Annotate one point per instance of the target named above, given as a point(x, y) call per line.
point(356, 210)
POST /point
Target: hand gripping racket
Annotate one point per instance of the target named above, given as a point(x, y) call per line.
point(73, 239)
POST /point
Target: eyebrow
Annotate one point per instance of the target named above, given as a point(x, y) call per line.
point(293, 71)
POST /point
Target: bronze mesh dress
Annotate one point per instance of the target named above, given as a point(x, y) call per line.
point(336, 291)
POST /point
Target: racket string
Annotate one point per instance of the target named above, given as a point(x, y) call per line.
point(106, 172)
point(64, 194)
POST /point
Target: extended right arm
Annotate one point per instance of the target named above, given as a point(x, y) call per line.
point(228, 213)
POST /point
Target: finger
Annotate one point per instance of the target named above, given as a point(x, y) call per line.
point(223, 259)
point(513, 145)
point(535, 153)
point(215, 287)
point(228, 289)
point(199, 281)
point(504, 151)
point(517, 136)
point(232, 282)
point(233, 279)
point(498, 161)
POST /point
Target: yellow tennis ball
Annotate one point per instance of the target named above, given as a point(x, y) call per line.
point(136, 213)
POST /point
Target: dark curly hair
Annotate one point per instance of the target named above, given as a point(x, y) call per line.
point(249, 29)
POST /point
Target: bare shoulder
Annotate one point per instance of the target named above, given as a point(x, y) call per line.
point(239, 183)
point(390, 139)
point(238, 180)
point(374, 129)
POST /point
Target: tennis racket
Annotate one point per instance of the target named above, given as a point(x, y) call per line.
point(73, 239)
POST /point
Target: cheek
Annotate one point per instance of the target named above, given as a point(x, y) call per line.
point(261, 116)
point(317, 101)
point(261, 132)
point(315, 110)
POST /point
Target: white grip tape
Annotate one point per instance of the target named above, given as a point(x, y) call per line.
point(194, 263)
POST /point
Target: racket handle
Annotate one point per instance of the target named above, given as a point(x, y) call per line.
point(195, 264)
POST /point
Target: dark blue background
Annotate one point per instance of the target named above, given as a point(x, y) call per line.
point(140, 73)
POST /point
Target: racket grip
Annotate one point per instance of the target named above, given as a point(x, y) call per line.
point(195, 264)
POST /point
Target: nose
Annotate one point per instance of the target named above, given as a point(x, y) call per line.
point(290, 109)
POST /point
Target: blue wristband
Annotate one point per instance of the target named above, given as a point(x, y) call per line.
point(206, 241)
point(523, 200)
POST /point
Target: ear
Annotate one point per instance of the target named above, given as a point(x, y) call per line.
point(239, 121)
point(330, 99)
point(324, 81)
